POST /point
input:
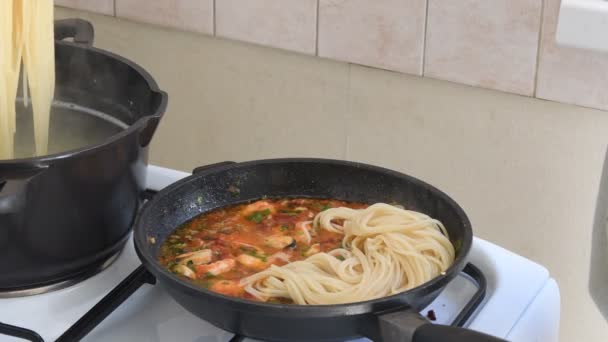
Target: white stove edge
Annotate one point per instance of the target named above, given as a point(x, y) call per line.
point(515, 312)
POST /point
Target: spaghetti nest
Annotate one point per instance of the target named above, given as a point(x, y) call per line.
point(386, 250)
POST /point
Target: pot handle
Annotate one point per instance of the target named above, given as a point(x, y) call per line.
point(158, 101)
point(81, 30)
point(211, 166)
point(406, 326)
point(13, 191)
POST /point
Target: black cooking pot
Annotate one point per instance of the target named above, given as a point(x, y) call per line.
point(64, 214)
point(392, 318)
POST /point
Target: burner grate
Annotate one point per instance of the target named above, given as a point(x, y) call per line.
point(23, 333)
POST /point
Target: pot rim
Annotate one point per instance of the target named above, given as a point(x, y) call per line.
point(48, 158)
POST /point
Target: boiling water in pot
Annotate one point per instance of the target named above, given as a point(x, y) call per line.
point(71, 127)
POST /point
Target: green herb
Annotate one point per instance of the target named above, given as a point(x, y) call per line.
point(259, 216)
point(190, 263)
point(284, 227)
point(290, 212)
point(457, 245)
point(339, 257)
point(209, 275)
point(325, 207)
point(254, 253)
point(178, 248)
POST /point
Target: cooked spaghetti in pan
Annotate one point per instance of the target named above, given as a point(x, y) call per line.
point(309, 251)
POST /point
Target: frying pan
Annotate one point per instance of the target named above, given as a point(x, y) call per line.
point(392, 318)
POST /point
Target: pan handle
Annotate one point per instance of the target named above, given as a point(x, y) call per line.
point(407, 325)
point(437, 333)
point(81, 30)
point(211, 166)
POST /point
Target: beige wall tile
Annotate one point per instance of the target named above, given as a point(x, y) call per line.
point(491, 44)
point(285, 24)
point(387, 34)
point(567, 74)
point(189, 15)
point(98, 6)
point(234, 101)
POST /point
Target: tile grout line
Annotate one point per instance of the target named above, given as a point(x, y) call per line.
point(214, 18)
point(426, 25)
point(539, 47)
point(349, 108)
point(317, 31)
point(114, 7)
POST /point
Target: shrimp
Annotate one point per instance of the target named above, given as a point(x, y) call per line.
point(203, 256)
point(314, 249)
point(259, 206)
point(228, 288)
point(251, 262)
point(185, 271)
point(236, 243)
point(215, 268)
point(303, 232)
point(279, 241)
point(279, 258)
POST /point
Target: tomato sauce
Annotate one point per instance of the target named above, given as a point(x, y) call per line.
point(217, 249)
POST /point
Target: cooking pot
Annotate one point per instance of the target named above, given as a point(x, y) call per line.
point(66, 214)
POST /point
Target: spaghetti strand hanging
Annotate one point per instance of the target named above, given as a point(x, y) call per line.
point(26, 36)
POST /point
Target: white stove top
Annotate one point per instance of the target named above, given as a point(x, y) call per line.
point(521, 303)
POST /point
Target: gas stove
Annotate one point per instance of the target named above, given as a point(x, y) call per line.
point(500, 293)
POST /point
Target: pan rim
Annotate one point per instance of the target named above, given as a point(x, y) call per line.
point(349, 308)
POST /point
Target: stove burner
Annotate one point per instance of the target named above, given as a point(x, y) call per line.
point(62, 284)
point(146, 195)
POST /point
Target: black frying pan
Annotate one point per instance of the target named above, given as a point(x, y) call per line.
point(393, 318)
